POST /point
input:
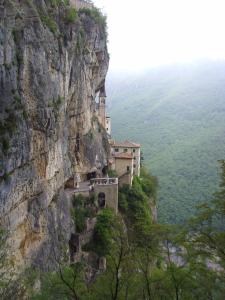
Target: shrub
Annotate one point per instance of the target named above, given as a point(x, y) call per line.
point(50, 23)
point(112, 174)
point(10, 123)
point(16, 36)
point(95, 14)
point(5, 145)
point(25, 115)
point(103, 232)
point(80, 212)
point(134, 202)
point(55, 3)
point(6, 177)
point(71, 15)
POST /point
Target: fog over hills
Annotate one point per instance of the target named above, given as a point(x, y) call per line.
point(177, 113)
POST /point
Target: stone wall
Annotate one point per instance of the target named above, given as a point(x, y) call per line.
point(125, 176)
point(79, 4)
point(110, 191)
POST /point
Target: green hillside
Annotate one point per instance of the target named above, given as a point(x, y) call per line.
point(177, 113)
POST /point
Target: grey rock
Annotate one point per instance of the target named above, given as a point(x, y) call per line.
point(48, 83)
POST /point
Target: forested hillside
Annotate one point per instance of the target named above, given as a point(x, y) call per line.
point(177, 113)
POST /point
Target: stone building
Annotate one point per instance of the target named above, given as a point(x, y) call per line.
point(79, 4)
point(103, 119)
point(129, 148)
point(106, 190)
point(122, 163)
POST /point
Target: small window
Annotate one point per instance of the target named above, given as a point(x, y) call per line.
point(116, 150)
point(133, 150)
point(134, 166)
point(107, 129)
point(134, 157)
point(124, 150)
point(128, 168)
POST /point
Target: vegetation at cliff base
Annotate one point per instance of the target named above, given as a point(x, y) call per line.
point(157, 262)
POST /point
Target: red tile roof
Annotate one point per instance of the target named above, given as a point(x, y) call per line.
point(126, 144)
point(123, 155)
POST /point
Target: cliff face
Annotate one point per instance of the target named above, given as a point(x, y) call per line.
point(51, 68)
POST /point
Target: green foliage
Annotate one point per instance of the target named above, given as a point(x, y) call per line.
point(64, 284)
point(103, 232)
point(179, 121)
point(5, 145)
point(208, 227)
point(5, 177)
point(112, 174)
point(49, 22)
point(134, 202)
point(95, 14)
point(25, 114)
point(161, 262)
point(80, 46)
point(71, 15)
point(81, 211)
point(149, 183)
point(55, 3)
point(16, 36)
point(9, 124)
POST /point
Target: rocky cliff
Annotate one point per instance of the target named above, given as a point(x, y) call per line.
point(53, 62)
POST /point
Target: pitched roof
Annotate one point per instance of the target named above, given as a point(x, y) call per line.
point(123, 155)
point(126, 144)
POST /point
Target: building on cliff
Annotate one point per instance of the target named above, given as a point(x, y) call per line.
point(80, 4)
point(125, 160)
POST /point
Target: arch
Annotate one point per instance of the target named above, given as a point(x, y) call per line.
point(101, 200)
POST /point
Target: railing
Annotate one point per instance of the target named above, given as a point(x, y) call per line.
point(104, 181)
point(79, 4)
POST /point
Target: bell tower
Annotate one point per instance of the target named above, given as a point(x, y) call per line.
point(102, 107)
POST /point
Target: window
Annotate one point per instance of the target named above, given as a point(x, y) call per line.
point(133, 150)
point(116, 150)
point(134, 157)
point(128, 168)
point(134, 166)
point(124, 150)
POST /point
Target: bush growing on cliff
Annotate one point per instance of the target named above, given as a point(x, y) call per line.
point(55, 3)
point(49, 22)
point(81, 211)
point(71, 15)
point(103, 232)
point(5, 145)
point(134, 202)
point(95, 14)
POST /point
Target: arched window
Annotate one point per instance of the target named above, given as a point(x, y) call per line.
point(101, 200)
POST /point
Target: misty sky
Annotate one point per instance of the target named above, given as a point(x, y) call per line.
point(148, 33)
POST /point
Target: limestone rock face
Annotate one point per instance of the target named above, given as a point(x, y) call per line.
point(51, 69)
